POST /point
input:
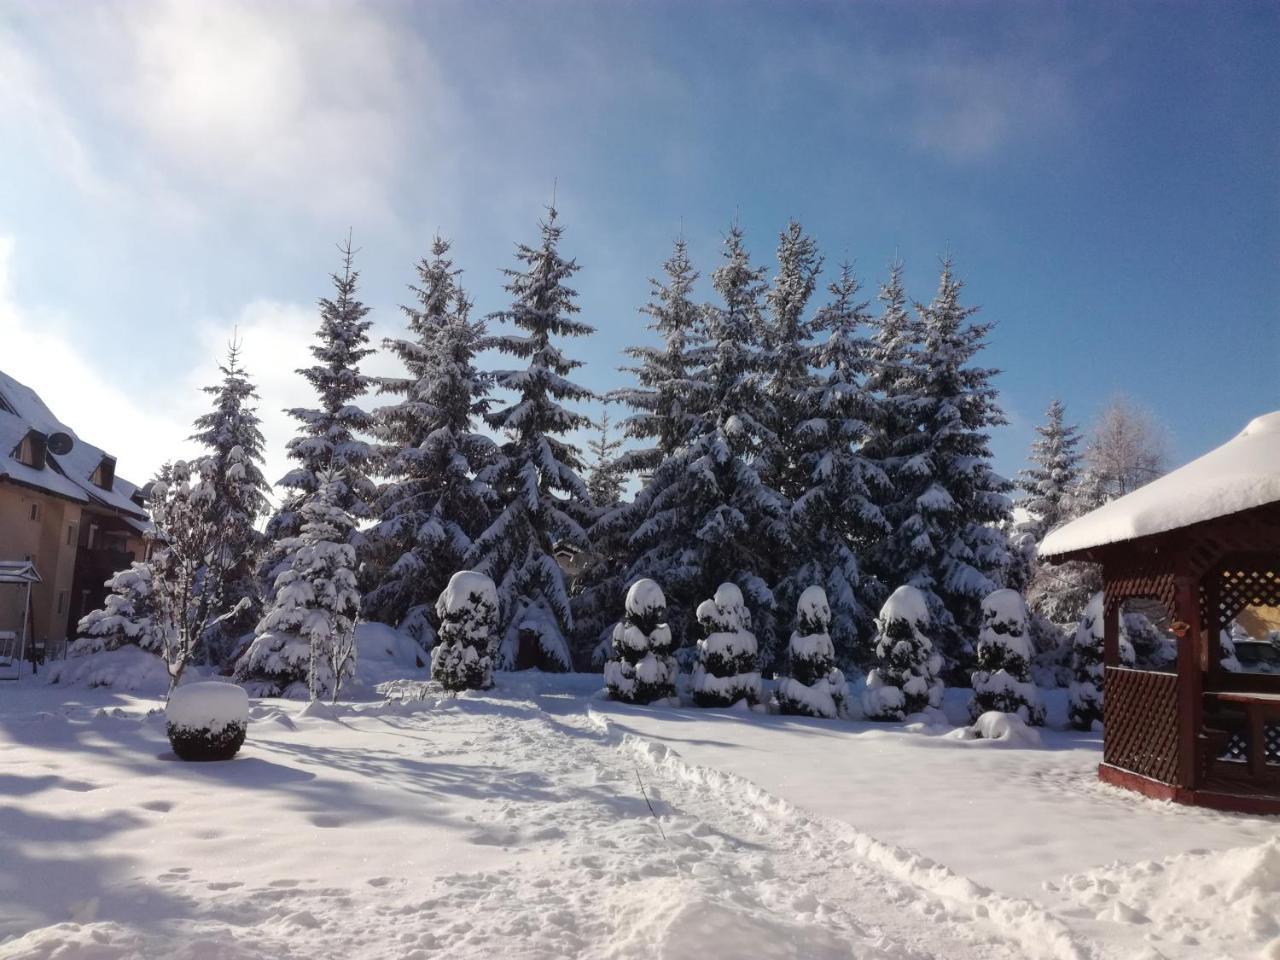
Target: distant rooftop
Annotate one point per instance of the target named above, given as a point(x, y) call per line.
point(1241, 474)
point(68, 475)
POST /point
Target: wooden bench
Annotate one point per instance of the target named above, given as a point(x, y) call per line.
point(1257, 708)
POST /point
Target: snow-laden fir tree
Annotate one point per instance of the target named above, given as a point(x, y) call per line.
point(330, 436)
point(468, 610)
point(641, 668)
point(666, 401)
point(192, 555)
point(1048, 491)
point(436, 498)
point(728, 665)
point(906, 678)
point(606, 477)
point(706, 516)
point(1002, 680)
point(815, 686)
point(669, 396)
point(232, 437)
point(542, 499)
point(127, 616)
point(304, 644)
point(949, 506)
point(1085, 690)
point(835, 518)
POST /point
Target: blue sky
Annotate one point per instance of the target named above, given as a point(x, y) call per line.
point(1106, 176)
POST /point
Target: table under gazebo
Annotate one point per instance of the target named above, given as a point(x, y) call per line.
point(1204, 542)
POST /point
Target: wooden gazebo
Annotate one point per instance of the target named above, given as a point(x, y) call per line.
point(1203, 541)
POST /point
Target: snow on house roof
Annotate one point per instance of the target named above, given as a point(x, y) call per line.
point(66, 475)
point(1241, 474)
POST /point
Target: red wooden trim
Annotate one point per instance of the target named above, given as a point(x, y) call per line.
point(1154, 789)
point(1212, 799)
point(1190, 680)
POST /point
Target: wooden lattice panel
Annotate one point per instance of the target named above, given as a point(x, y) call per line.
point(1142, 581)
point(1237, 748)
point(1140, 712)
point(1242, 581)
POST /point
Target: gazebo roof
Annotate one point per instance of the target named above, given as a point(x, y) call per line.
point(1241, 474)
point(18, 571)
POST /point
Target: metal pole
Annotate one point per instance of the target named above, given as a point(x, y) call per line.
point(22, 641)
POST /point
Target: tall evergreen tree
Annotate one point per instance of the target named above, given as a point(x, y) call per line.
point(835, 516)
point(606, 478)
point(232, 437)
point(542, 497)
point(949, 505)
point(1048, 484)
point(436, 499)
point(329, 436)
point(707, 517)
point(669, 397)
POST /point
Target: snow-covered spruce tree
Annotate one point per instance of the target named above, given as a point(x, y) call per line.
point(835, 519)
point(1002, 680)
point(905, 679)
point(949, 506)
point(666, 401)
point(329, 436)
point(706, 516)
point(303, 645)
point(127, 615)
point(728, 667)
point(541, 495)
point(468, 612)
point(606, 477)
point(641, 668)
point(191, 556)
point(1048, 490)
point(1085, 690)
point(436, 498)
point(233, 440)
point(815, 686)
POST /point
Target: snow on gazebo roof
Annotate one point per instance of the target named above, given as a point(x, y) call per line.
point(18, 571)
point(1241, 474)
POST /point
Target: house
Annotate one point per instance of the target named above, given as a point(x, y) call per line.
point(63, 508)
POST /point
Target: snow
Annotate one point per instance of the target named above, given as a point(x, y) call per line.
point(1241, 474)
point(906, 603)
point(208, 705)
point(462, 585)
point(125, 668)
point(813, 604)
point(644, 596)
point(1005, 727)
point(538, 821)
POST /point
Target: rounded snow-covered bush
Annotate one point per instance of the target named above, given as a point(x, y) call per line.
point(816, 687)
point(727, 669)
point(468, 611)
point(642, 668)
point(207, 721)
point(905, 679)
point(1085, 689)
point(1002, 681)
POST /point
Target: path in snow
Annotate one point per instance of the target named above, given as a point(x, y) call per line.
point(474, 828)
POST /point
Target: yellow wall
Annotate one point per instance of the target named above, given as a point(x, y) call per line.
point(45, 542)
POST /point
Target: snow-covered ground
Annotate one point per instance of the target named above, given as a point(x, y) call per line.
point(540, 821)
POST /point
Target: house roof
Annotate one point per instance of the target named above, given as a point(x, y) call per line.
point(63, 475)
point(1241, 474)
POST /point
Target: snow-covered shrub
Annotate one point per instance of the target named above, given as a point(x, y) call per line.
point(641, 668)
point(126, 616)
point(815, 688)
point(1002, 680)
point(1085, 690)
point(304, 644)
point(468, 611)
point(905, 679)
point(1227, 640)
point(207, 721)
point(124, 668)
point(728, 668)
point(1152, 648)
point(999, 725)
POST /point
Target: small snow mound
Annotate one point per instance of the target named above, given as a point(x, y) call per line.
point(813, 604)
point(385, 654)
point(208, 705)
point(125, 668)
point(462, 586)
point(728, 595)
point(644, 596)
point(1004, 604)
point(318, 710)
point(1258, 426)
point(1006, 727)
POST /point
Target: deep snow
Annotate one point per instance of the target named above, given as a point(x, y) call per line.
point(517, 823)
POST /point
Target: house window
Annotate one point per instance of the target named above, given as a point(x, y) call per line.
point(62, 602)
point(93, 536)
point(71, 534)
point(35, 511)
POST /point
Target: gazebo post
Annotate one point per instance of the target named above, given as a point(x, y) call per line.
point(1110, 630)
point(1190, 677)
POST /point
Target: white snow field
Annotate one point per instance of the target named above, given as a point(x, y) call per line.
point(539, 820)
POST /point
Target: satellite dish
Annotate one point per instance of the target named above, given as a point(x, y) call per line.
point(59, 444)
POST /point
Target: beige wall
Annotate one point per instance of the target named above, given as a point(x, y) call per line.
point(45, 541)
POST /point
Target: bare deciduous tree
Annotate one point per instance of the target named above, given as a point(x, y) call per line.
point(1128, 447)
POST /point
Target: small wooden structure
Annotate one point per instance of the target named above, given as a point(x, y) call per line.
point(13, 648)
point(1204, 541)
